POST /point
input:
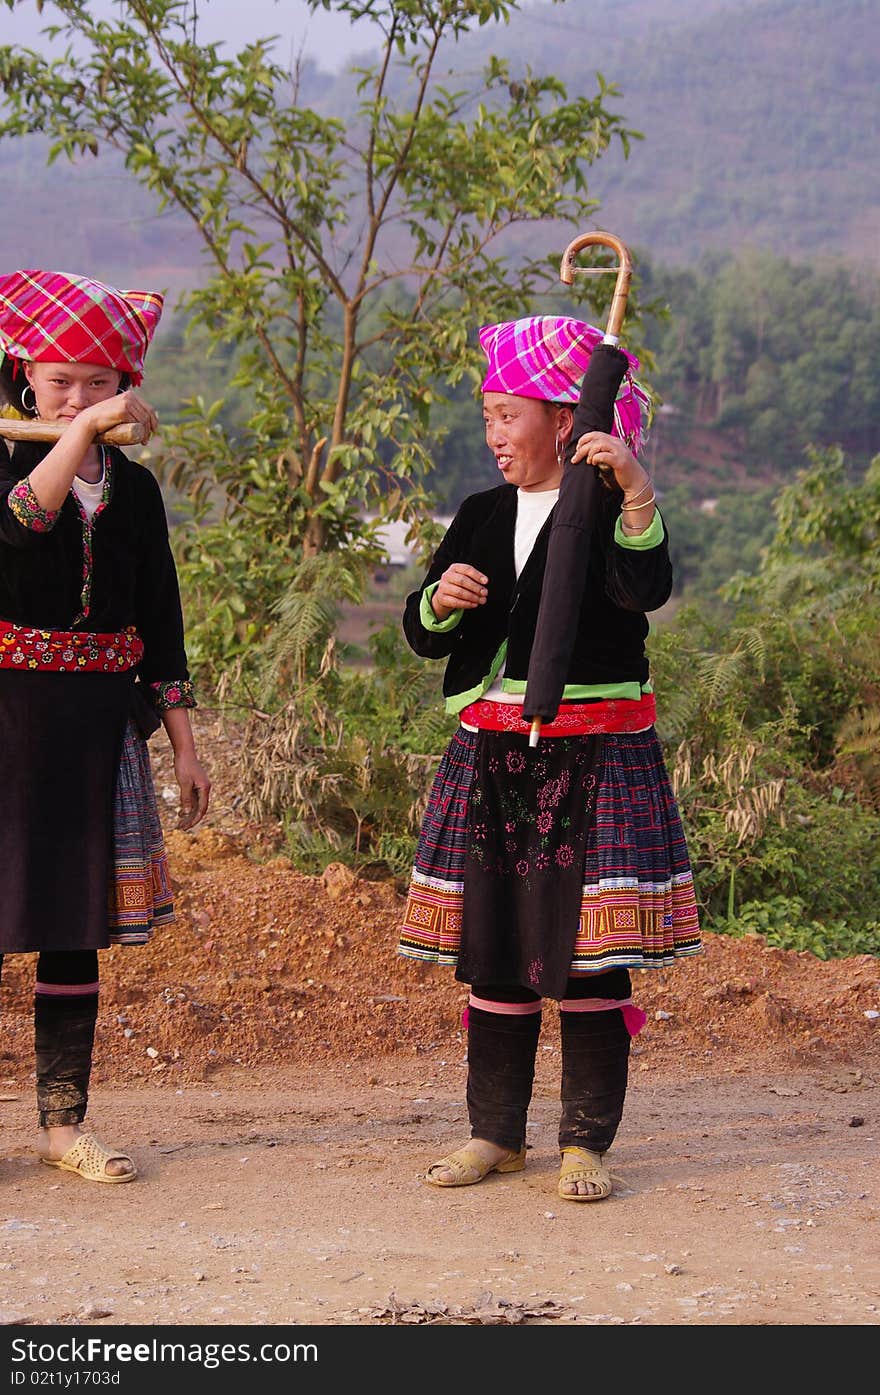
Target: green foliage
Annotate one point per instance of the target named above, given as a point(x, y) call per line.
point(398, 700)
point(346, 763)
point(785, 354)
point(356, 794)
point(338, 792)
point(858, 746)
point(707, 546)
point(783, 921)
point(759, 362)
point(773, 713)
point(802, 843)
point(305, 620)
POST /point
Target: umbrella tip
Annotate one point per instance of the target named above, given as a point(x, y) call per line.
point(535, 732)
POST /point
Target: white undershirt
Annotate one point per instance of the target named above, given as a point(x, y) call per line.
point(532, 511)
point(88, 494)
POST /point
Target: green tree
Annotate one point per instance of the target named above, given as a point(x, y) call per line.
point(347, 260)
point(773, 717)
point(784, 354)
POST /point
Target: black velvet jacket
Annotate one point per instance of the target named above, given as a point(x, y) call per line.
point(622, 584)
point(133, 579)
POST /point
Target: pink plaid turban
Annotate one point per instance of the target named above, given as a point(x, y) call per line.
point(546, 356)
point(51, 317)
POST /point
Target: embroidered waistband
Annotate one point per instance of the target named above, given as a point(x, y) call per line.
point(572, 719)
point(69, 651)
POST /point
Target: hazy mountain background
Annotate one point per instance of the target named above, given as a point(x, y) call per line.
point(760, 120)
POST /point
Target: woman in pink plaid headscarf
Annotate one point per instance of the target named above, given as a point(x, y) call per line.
point(550, 872)
point(92, 659)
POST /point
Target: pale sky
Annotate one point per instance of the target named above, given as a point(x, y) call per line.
point(328, 38)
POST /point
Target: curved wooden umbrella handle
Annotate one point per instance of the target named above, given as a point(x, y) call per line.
point(568, 270)
point(128, 433)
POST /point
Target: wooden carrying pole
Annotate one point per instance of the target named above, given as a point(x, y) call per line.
point(567, 272)
point(129, 433)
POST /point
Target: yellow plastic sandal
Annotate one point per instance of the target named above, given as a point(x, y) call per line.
point(89, 1158)
point(580, 1165)
point(468, 1167)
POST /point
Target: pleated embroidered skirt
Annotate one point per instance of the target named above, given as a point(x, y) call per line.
point(536, 865)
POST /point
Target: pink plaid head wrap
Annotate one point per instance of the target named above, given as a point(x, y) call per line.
point(52, 317)
point(546, 356)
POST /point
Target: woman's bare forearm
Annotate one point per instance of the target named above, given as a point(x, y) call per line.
point(52, 478)
point(179, 728)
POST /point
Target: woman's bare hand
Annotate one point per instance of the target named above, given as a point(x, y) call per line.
point(612, 456)
point(461, 587)
point(114, 411)
point(195, 788)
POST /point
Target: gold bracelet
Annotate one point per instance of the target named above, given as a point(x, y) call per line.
point(627, 498)
point(634, 508)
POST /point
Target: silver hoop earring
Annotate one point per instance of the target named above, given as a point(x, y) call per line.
point(33, 408)
point(560, 450)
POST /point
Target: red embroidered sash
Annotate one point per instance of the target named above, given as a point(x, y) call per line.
point(572, 719)
point(68, 651)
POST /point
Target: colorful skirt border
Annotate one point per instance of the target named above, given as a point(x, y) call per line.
point(638, 908)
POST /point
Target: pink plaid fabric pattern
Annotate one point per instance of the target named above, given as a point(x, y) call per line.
point(546, 356)
point(53, 317)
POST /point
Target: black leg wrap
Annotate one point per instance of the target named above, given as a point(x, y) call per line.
point(595, 1059)
point(64, 1035)
point(501, 1071)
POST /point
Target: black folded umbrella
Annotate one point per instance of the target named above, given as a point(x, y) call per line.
point(568, 550)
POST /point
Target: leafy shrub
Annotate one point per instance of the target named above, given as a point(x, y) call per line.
point(783, 922)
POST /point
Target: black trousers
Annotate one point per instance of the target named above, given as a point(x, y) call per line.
point(65, 1012)
point(504, 1024)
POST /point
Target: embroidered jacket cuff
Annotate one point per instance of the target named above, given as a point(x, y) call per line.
point(27, 509)
point(172, 693)
point(429, 619)
point(652, 536)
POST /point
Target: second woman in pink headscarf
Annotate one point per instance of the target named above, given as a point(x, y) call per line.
point(554, 872)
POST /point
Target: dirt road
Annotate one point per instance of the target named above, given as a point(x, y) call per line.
point(268, 1196)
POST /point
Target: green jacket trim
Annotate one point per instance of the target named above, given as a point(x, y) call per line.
point(456, 701)
point(429, 619)
point(580, 692)
point(640, 542)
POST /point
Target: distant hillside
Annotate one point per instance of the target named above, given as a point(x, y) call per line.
point(91, 217)
point(760, 118)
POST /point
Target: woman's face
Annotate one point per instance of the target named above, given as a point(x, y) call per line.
point(521, 433)
point(63, 390)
